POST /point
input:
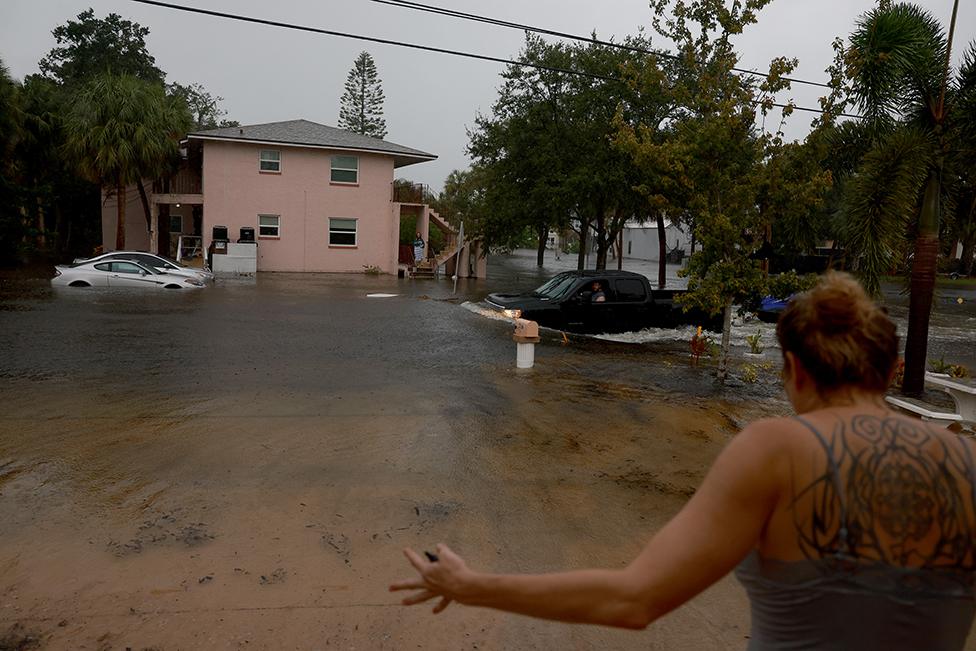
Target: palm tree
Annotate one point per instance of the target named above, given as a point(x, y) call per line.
point(121, 130)
point(900, 78)
point(11, 131)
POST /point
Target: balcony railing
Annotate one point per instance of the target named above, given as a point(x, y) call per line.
point(406, 192)
point(186, 181)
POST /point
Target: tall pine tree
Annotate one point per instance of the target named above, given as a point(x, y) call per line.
point(361, 107)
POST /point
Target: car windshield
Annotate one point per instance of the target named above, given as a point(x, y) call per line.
point(557, 287)
point(173, 262)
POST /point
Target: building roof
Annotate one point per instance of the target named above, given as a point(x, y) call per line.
point(303, 133)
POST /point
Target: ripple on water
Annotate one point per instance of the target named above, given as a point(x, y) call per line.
point(740, 329)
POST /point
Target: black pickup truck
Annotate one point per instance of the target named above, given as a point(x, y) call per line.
point(567, 302)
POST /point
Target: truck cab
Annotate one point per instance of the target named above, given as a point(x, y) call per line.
point(568, 302)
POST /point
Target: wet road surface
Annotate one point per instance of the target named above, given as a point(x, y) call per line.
point(240, 467)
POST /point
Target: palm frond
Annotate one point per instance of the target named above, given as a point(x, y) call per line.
point(895, 61)
point(881, 200)
point(123, 129)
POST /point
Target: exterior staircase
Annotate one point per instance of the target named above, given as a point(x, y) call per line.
point(425, 269)
point(438, 263)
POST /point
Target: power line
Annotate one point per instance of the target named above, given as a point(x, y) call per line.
point(426, 48)
point(417, 6)
point(371, 39)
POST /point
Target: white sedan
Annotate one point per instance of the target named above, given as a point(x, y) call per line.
point(153, 261)
point(119, 273)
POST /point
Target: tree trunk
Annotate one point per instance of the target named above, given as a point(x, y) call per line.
point(59, 246)
point(584, 230)
point(41, 230)
point(540, 258)
point(620, 250)
point(120, 215)
point(162, 235)
point(602, 246)
point(662, 249)
point(144, 198)
point(922, 287)
point(767, 238)
point(723, 364)
point(67, 237)
point(602, 243)
point(600, 235)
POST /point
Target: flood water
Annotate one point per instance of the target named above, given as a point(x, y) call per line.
point(239, 467)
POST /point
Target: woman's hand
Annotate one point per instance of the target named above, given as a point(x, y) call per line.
point(447, 578)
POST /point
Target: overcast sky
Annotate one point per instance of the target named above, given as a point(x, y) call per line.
point(268, 74)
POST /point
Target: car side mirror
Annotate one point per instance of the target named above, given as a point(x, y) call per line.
point(144, 272)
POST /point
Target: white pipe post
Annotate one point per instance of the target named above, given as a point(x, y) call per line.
point(526, 337)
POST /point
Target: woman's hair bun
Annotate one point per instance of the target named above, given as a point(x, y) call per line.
point(840, 335)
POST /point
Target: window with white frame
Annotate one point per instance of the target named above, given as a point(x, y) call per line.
point(270, 160)
point(269, 225)
point(345, 169)
point(342, 232)
point(175, 223)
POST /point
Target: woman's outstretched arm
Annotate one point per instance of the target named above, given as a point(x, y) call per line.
point(714, 531)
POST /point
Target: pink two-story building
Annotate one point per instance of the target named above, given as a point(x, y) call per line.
point(318, 198)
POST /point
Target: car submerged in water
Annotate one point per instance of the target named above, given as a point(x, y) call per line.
point(120, 273)
point(153, 261)
point(568, 302)
point(771, 307)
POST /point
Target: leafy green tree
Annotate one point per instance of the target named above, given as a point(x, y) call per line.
point(361, 106)
point(89, 46)
point(792, 194)
point(523, 151)
point(711, 161)
point(642, 139)
point(547, 146)
point(11, 130)
point(45, 208)
point(899, 74)
point(962, 167)
point(121, 130)
point(461, 198)
point(57, 208)
point(609, 187)
point(204, 107)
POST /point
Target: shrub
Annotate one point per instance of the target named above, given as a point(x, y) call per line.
point(754, 341)
point(945, 368)
point(899, 377)
point(749, 373)
point(788, 283)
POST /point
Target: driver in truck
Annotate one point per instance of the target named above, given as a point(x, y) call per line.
point(597, 296)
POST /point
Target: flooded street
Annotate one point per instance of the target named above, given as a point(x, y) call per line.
point(239, 467)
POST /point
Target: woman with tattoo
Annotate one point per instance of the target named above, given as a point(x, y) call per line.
point(851, 526)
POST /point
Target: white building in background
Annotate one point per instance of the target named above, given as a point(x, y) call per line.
point(641, 240)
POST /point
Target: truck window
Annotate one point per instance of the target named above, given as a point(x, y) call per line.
point(549, 284)
point(630, 290)
point(555, 288)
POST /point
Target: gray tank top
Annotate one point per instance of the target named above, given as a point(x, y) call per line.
point(839, 602)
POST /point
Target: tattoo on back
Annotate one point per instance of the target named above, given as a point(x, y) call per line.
point(892, 492)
